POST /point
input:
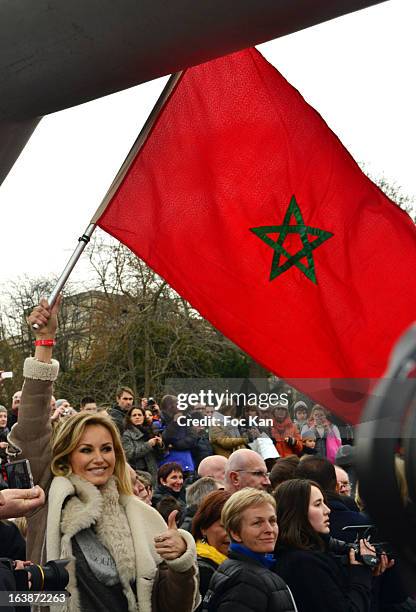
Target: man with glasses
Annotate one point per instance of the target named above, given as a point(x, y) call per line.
point(343, 481)
point(245, 468)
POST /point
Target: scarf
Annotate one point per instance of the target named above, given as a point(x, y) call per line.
point(203, 549)
point(266, 559)
point(111, 529)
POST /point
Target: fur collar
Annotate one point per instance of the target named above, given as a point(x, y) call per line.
point(106, 513)
point(144, 522)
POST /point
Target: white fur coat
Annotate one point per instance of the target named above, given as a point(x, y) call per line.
point(144, 522)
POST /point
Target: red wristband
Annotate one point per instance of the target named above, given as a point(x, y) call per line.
point(45, 342)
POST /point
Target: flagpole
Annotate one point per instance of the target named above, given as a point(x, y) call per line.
point(138, 143)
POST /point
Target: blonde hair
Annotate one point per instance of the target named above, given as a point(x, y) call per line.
point(400, 469)
point(67, 436)
point(317, 407)
point(233, 509)
point(357, 497)
point(21, 524)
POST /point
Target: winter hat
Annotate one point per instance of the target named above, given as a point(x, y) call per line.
point(300, 405)
point(308, 435)
point(345, 455)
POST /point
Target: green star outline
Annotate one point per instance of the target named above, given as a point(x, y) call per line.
point(285, 229)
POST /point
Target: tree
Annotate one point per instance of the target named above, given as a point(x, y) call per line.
point(141, 332)
point(395, 193)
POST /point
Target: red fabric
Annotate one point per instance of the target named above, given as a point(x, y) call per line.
point(232, 146)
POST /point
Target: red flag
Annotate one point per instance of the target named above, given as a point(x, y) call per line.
point(246, 202)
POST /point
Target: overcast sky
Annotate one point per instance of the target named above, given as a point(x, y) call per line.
point(357, 71)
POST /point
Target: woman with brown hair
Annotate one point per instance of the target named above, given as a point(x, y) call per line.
point(318, 579)
point(143, 449)
point(210, 536)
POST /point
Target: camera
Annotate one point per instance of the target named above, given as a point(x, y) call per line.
point(4, 375)
point(151, 401)
point(53, 576)
point(341, 549)
point(18, 474)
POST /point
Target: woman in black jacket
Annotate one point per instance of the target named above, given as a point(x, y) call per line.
point(318, 579)
point(143, 449)
point(245, 582)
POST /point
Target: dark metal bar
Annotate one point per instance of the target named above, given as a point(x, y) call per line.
point(55, 54)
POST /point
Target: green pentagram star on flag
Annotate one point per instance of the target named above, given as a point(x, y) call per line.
point(285, 229)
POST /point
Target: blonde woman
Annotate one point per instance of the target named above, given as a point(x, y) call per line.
point(245, 581)
point(123, 556)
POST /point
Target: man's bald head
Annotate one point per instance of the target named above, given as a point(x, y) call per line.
point(245, 468)
point(213, 466)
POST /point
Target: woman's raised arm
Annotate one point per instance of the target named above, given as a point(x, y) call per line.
point(33, 430)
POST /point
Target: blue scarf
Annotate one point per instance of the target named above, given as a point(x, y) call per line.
point(266, 559)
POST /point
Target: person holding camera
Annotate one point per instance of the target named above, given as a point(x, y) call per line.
point(123, 555)
point(14, 503)
point(143, 448)
point(4, 432)
point(318, 579)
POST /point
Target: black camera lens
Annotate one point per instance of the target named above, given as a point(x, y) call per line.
point(53, 576)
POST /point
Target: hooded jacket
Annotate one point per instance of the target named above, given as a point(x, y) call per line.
point(283, 430)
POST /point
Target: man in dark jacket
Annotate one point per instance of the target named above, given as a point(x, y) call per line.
point(124, 399)
point(180, 440)
point(202, 448)
point(323, 472)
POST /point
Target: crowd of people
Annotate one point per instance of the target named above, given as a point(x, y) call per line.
point(157, 515)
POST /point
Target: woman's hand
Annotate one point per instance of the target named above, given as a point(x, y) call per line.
point(383, 565)
point(58, 412)
point(46, 318)
point(153, 441)
point(170, 545)
point(20, 565)
point(366, 549)
point(20, 502)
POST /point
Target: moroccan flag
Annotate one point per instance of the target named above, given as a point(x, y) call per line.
point(250, 207)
